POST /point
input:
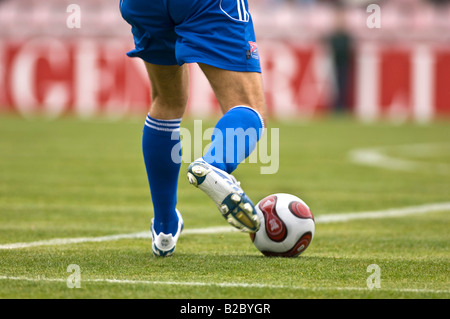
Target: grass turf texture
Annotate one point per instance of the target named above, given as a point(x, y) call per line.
point(72, 178)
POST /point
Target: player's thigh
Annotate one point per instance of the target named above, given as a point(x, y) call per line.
point(170, 90)
point(234, 88)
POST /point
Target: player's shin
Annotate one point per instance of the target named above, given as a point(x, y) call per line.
point(234, 138)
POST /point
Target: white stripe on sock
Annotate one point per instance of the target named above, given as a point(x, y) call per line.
point(163, 124)
point(164, 129)
point(172, 120)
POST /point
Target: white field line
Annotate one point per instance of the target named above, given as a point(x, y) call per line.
point(378, 157)
point(332, 218)
point(388, 213)
point(79, 240)
point(219, 284)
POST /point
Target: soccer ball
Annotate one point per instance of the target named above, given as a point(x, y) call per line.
point(287, 226)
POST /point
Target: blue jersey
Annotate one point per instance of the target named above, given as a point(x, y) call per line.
point(215, 32)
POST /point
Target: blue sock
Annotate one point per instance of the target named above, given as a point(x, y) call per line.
point(234, 138)
point(158, 140)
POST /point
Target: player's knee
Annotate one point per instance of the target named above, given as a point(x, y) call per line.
point(167, 109)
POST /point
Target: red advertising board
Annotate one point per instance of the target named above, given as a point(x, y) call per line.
point(93, 76)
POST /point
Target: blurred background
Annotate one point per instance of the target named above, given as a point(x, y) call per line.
point(371, 59)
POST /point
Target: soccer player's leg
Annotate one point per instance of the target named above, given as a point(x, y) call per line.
point(241, 97)
point(155, 38)
point(160, 136)
point(229, 58)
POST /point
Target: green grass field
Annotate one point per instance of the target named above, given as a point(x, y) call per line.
point(71, 179)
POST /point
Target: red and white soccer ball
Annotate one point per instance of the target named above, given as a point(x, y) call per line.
point(287, 226)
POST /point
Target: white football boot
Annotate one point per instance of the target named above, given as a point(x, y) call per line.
point(226, 193)
point(164, 244)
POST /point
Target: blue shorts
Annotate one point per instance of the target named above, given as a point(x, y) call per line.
point(215, 32)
